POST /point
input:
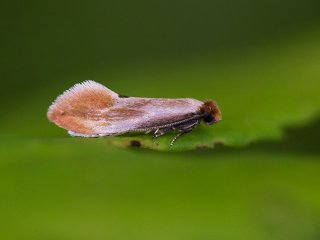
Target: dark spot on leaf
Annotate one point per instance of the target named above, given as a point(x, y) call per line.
point(218, 143)
point(135, 143)
point(202, 147)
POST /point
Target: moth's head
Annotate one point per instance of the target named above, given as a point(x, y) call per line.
point(211, 112)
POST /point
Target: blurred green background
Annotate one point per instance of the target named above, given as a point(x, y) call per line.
point(259, 59)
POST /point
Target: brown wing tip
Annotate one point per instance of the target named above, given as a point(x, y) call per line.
point(213, 108)
point(70, 110)
point(86, 93)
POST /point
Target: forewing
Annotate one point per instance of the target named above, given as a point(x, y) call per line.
point(142, 114)
point(89, 109)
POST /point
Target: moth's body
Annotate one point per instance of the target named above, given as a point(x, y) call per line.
point(90, 109)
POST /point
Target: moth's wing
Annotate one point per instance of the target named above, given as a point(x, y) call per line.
point(90, 110)
point(80, 109)
point(143, 114)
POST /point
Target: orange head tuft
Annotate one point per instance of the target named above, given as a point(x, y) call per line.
point(211, 112)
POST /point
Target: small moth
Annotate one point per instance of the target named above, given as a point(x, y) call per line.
point(89, 109)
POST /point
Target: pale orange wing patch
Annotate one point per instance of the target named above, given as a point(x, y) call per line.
point(80, 108)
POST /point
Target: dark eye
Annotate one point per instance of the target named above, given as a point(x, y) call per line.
point(208, 119)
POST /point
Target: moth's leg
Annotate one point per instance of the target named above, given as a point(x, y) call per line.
point(179, 135)
point(149, 131)
point(184, 128)
point(162, 131)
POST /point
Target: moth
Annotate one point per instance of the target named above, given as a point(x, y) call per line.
point(89, 109)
